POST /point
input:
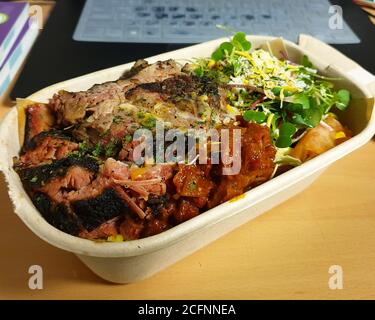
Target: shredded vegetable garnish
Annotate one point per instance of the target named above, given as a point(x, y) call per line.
point(285, 96)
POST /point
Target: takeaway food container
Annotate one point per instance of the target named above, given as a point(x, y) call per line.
point(138, 259)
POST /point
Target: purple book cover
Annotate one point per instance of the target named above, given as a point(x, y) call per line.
point(9, 13)
point(25, 28)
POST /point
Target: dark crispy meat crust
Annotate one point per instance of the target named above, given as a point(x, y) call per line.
point(57, 215)
point(93, 212)
point(172, 90)
point(36, 177)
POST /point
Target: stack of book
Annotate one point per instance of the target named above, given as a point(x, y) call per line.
point(18, 32)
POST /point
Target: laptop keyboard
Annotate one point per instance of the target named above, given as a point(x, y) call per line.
point(193, 21)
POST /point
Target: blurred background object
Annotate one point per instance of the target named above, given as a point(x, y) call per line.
point(369, 7)
point(194, 21)
point(56, 56)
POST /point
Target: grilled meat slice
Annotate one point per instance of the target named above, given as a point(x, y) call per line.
point(37, 177)
point(76, 178)
point(98, 101)
point(105, 230)
point(155, 72)
point(45, 147)
point(182, 101)
point(136, 68)
point(70, 107)
point(131, 228)
point(92, 212)
point(39, 118)
point(57, 215)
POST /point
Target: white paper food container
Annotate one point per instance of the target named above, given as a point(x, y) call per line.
point(138, 259)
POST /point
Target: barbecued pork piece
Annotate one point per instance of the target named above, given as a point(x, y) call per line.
point(57, 214)
point(191, 181)
point(45, 147)
point(185, 92)
point(38, 176)
point(257, 165)
point(39, 118)
point(105, 230)
point(99, 100)
point(92, 212)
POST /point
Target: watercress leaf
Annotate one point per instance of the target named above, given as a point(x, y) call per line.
point(343, 97)
point(257, 116)
point(283, 141)
point(294, 107)
point(312, 116)
point(226, 46)
point(308, 117)
point(240, 42)
point(287, 129)
point(217, 54)
point(286, 132)
point(301, 98)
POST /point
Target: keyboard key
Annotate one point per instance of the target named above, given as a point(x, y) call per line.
point(158, 9)
point(161, 15)
point(178, 16)
point(191, 9)
point(196, 16)
point(189, 23)
point(143, 14)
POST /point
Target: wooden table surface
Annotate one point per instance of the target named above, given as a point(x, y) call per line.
point(284, 254)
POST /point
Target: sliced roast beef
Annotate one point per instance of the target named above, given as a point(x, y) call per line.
point(38, 176)
point(45, 147)
point(71, 107)
point(57, 215)
point(92, 212)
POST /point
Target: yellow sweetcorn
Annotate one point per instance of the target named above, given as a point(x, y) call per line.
point(116, 238)
point(340, 134)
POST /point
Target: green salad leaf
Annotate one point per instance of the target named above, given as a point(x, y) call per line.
point(257, 116)
point(286, 131)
